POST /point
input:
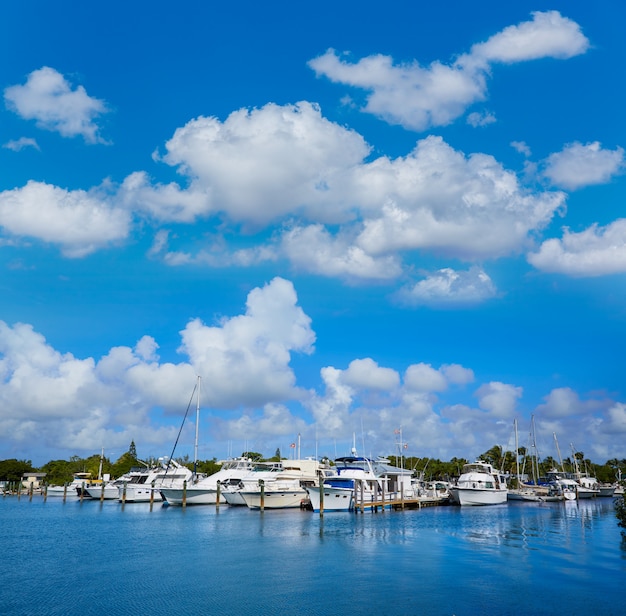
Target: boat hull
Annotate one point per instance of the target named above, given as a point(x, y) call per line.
point(335, 498)
point(477, 497)
point(139, 495)
point(203, 496)
point(280, 499)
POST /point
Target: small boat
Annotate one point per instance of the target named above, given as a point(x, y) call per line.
point(109, 490)
point(606, 489)
point(479, 484)
point(74, 488)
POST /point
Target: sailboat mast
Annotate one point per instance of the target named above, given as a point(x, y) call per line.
point(516, 452)
point(195, 446)
point(558, 451)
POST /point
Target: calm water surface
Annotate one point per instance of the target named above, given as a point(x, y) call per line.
point(87, 558)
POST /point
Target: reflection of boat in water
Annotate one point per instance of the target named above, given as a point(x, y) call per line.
point(479, 484)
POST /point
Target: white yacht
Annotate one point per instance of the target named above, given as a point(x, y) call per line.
point(351, 474)
point(146, 485)
point(362, 480)
point(109, 490)
point(479, 484)
point(286, 490)
point(203, 491)
point(231, 488)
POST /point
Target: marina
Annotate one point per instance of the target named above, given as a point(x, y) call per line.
point(157, 560)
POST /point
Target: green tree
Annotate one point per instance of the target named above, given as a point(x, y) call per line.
point(209, 467)
point(493, 456)
point(13, 470)
point(253, 455)
point(123, 464)
point(58, 472)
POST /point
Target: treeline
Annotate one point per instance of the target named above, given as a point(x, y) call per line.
point(507, 461)
point(59, 472)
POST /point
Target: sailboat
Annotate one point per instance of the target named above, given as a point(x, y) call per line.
point(521, 492)
point(175, 493)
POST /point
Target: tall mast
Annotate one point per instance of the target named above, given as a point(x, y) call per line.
point(516, 452)
point(558, 451)
point(195, 446)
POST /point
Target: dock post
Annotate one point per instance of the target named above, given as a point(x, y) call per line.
point(151, 494)
point(362, 496)
point(262, 485)
point(124, 495)
point(217, 496)
point(64, 491)
point(184, 503)
point(30, 491)
point(102, 492)
point(321, 480)
point(402, 496)
point(82, 491)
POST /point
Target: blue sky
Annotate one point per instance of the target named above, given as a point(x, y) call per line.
point(402, 223)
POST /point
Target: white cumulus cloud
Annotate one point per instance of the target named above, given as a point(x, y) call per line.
point(418, 97)
point(596, 251)
point(260, 165)
point(49, 99)
point(79, 222)
point(579, 165)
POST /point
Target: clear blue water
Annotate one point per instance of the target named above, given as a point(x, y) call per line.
point(101, 558)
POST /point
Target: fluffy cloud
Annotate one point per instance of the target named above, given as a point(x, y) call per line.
point(547, 35)
point(423, 377)
point(499, 399)
point(247, 357)
point(409, 95)
point(367, 374)
point(259, 165)
point(579, 165)
point(80, 222)
point(48, 98)
point(419, 97)
point(596, 251)
point(440, 200)
point(448, 287)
